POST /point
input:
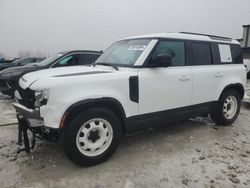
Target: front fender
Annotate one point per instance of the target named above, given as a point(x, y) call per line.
point(105, 102)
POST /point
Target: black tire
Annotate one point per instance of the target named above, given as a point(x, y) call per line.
point(71, 131)
point(248, 75)
point(217, 114)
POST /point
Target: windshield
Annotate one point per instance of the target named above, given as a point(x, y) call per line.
point(49, 60)
point(124, 53)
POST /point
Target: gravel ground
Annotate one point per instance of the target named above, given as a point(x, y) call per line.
point(194, 153)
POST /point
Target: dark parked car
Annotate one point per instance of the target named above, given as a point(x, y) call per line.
point(9, 77)
point(19, 62)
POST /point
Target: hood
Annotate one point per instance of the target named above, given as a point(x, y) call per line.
point(61, 72)
point(17, 71)
point(6, 65)
point(36, 64)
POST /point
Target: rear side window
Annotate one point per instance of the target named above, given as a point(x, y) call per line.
point(236, 53)
point(87, 58)
point(176, 49)
point(201, 54)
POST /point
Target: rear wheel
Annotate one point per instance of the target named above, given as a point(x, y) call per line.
point(92, 136)
point(227, 108)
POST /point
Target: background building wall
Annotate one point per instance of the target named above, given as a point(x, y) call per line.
point(245, 42)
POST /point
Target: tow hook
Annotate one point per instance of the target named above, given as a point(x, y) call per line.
point(23, 139)
point(38, 132)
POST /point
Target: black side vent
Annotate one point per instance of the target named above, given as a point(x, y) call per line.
point(134, 89)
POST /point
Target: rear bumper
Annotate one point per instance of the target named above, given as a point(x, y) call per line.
point(26, 112)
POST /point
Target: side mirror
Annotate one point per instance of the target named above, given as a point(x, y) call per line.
point(163, 60)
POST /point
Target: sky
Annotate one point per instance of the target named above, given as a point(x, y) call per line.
point(51, 26)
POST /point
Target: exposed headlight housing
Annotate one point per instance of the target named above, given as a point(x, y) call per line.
point(41, 97)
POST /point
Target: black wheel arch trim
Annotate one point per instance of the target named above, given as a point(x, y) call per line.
point(105, 102)
point(237, 86)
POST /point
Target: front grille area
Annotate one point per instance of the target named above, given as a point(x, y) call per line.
point(28, 97)
point(11, 84)
point(3, 84)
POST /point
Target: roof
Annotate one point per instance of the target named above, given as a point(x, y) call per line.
point(81, 51)
point(188, 36)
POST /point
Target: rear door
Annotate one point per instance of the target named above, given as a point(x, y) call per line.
point(212, 65)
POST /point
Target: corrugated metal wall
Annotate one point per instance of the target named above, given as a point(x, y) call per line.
point(246, 36)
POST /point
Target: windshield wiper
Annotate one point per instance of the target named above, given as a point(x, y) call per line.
point(106, 64)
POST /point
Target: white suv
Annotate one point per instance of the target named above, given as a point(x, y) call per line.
point(138, 82)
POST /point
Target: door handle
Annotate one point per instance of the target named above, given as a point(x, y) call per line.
point(218, 74)
point(184, 78)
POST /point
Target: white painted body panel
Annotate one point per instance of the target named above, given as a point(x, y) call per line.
point(164, 88)
point(210, 80)
point(65, 91)
point(247, 64)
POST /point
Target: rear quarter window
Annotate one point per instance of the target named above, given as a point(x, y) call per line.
point(236, 53)
point(226, 53)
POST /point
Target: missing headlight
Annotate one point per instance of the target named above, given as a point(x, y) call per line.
point(41, 97)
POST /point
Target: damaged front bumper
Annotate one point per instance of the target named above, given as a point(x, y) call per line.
point(26, 112)
point(26, 118)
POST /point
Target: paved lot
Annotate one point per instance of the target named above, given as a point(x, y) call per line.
point(194, 153)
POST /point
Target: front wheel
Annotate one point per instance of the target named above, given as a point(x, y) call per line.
point(227, 108)
point(92, 136)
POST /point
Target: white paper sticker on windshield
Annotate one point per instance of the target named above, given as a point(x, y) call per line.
point(137, 47)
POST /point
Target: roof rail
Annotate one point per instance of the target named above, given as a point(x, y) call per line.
point(211, 36)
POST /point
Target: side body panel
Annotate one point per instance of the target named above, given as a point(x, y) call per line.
point(210, 80)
